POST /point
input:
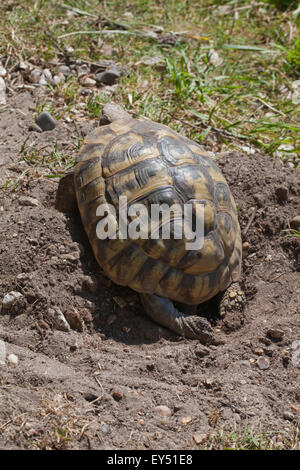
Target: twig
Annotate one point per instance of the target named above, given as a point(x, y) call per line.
point(215, 129)
point(269, 106)
point(244, 232)
point(276, 277)
point(110, 31)
point(236, 409)
point(76, 10)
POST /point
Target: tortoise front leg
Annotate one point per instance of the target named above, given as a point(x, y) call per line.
point(163, 311)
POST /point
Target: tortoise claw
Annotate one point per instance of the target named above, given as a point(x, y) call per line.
point(163, 311)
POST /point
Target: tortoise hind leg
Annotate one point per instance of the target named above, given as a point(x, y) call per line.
point(233, 299)
point(163, 311)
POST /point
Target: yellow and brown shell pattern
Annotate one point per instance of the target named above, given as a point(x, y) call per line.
point(151, 164)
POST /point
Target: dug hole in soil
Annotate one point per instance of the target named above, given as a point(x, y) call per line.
point(114, 379)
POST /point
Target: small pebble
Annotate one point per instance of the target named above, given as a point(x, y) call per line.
point(288, 416)
point(163, 410)
point(43, 81)
point(88, 82)
point(9, 299)
point(199, 438)
point(48, 75)
point(110, 76)
point(45, 121)
point(2, 352)
point(245, 363)
point(186, 420)
point(214, 58)
point(282, 193)
point(23, 66)
point(57, 79)
point(117, 394)
point(64, 69)
point(275, 333)
point(28, 201)
point(13, 359)
point(74, 319)
point(2, 92)
point(3, 71)
point(296, 353)
point(35, 76)
point(105, 429)
point(58, 319)
point(245, 249)
point(263, 363)
point(295, 223)
point(34, 128)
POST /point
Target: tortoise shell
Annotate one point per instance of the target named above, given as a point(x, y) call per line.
point(151, 164)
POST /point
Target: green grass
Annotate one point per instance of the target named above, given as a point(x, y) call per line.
point(247, 439)
point(243, 98)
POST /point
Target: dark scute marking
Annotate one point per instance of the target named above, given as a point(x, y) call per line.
point(182, 176)
point(115, 156)
point(146, 128)
point(171, 149)
point(89, 212)
point(163, 195)
point(103, 247)
point(89, 164)
point(134, 167)
point(222, 195)
point(187, 284)
point(141, 174)
point(88, 149)
point(213, 280)
point(227, 220)
point(144, 274)
point(87, 190)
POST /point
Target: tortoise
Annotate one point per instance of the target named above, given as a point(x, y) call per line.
point(151, 164)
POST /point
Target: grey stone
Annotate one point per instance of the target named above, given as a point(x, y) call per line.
point(110, 76)
point(295, 222)
point(28, 201)
point(263, 363)
point(35, 76)
point(64, 69)
point(275, 333)
point(45, 121)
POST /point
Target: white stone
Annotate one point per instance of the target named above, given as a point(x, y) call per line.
point(28, 201)
point(2, 92)
point(57, 79)
point(3, 71)
point(35, 76)
point(2, 352)
point(214, 58)
point(13, 359)
point(58, 319)
point(9, 299)
point(89, 82)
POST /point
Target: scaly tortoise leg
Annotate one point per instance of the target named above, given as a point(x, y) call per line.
point(163, 311)
point(233, 299)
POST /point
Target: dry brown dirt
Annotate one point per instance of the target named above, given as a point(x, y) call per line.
point(97, 386)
